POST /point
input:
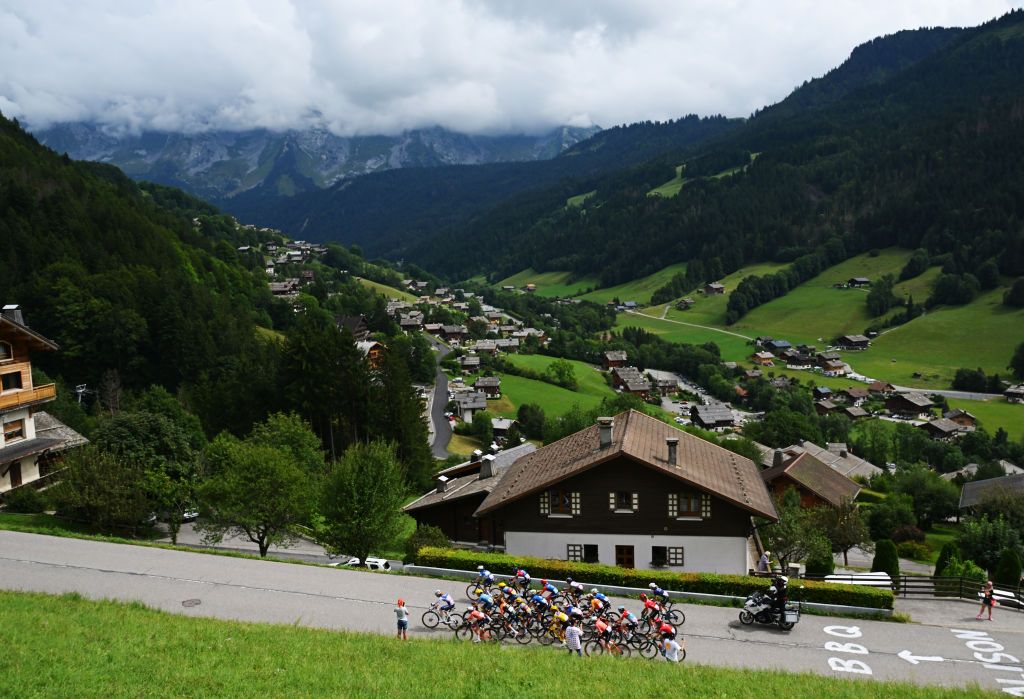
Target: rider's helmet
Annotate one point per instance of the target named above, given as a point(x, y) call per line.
point(568, 581)
point(470, 608)
point(501, 585)
point(437, 593)
point(621, 609)
point(593, 591)
point(653, 586)
point(478, 591)
point(773, 589)
point(480, 568)
point(783, 579)
point(554, 608)
point(643, 597)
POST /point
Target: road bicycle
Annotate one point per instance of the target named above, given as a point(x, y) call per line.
point(435, 615)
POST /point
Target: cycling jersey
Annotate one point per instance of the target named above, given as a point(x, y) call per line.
point(658, 592)
point(540, 601)
point(628, 619)
point(476, 616)
point(445, 601)
point(551, 588)
point(667, 630)
point(601, 596)
point(651, 606)
point(602, 628)
point(486, 600)
point(561, 618)
point(574, 611)
point(596, 604)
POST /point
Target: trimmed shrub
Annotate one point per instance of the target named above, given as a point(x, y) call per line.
point(27, 501)
point(820, 563)
point(1008, 569)
point(949, 552)
point(594, 574)
point(425, 535)
point(886, 559)
point(959, 572)
point(914, 550)
point(907, 532)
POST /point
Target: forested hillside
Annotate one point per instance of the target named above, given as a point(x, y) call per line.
point(388, 211)
point(917, 141)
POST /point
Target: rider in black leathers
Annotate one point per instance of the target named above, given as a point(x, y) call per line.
point(778, 593)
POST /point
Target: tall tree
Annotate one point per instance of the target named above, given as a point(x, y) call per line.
point(362, 500)
point(845, 528)
point(398, 418)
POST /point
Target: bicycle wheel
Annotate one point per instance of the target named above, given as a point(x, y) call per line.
point(471, 592)
point(547, 638)
point(647, 649)
point(497, 632)
point(613, 618)
point(624, 651)
point(521, 635)
point(464, 633)
point(594, 648)
point(454, 620)
point(430, 619)
point(676, 618)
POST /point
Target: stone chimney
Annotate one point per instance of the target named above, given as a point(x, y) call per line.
point(442, 483)
point(673, 449)
point(13, 312)
point(843, 453)
point(475, 458)
point(778, 458)
point(487, 467)
point(604, 430)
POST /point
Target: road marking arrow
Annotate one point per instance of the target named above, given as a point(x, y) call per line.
point(915, 659)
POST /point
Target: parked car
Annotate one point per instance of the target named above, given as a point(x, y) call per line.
point(371, 563)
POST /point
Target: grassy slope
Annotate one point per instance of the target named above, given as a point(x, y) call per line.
point(590, 380)
point(549, 283)
point(580, 198)
point(67, 646)
point(638, 290)
point(672, 187)
point(995, 414)
point(389, 291)
point(554, 399)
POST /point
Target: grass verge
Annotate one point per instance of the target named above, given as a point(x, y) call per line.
point(68, 646)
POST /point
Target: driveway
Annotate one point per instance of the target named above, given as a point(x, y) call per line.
point(951, 650)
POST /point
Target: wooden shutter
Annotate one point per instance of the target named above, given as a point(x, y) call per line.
point(705, 506)
point(575, 503)
point(636, 501)
point(545, 503)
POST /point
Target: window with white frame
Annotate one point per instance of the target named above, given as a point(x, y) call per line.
point(574, 552)
point(684, 504)
point(623, 501)
point(675, 556)
point(560, 503)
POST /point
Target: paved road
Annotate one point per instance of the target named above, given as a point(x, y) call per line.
point(442, 428)
point(343, 599)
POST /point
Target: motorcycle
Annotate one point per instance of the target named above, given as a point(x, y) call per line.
point(758, 607)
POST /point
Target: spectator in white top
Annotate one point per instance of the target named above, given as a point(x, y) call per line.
point(672, 650)
point(572, 639)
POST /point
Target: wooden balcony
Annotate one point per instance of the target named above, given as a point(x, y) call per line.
point(21, 399)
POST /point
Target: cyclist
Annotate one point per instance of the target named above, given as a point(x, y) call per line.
point(484, 577)
point(540, 603)
point(521, 577)
point(651, 608)
point(485, 599)
point(548, 588)
point(573, 588)
point(444, 601)
point(604, 633)
point(562, 620)
point(606, 603)
point(523, 610)
point(477, 621)
point(659, 594)
point(627, 622)
point(597, 607)
point(574, 612)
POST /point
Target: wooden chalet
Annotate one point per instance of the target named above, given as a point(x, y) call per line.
point(763, 358)
point(975, 493)
point(816, 483)
point(372, 351)
point(629, 380)
point(835, 455)
point(613, 359)
point(489, 386)
point(858, 281)
point(31, 442)
point(355, 325)
point(715, 416)
point(961, 417)
point(854, 342)
point(1014, 394)
point(714, 288)
point(628, 491)
point(908, 404)
point(944, 430)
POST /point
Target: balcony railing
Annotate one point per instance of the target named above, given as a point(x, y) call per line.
point(28, 397)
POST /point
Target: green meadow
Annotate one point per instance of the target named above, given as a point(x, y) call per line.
point(639, 290)
point(549, 283)
point(389, 291)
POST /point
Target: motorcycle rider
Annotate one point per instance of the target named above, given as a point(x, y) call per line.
point(778, 593)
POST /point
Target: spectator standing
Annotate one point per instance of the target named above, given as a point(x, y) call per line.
point(402, 612)
point(572, 638)
point(764, 565)
point(987, 600)
point(672, 650)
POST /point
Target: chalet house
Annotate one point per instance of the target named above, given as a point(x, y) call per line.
point(530, 288)
point(410, 323)
point(459, 492)
point(975, 493)
point(854, 396)
point(355, 325)
point(666, 387)
point(858, 281)
point(825, 407)
point(834, 368)
point(835, 455)
point(753, 374)
point(908, 404)
point(630, 380)
point(289, 287)
point(685, 304)
point(441, 292)
point(961, 417)
point(500, 426)
point(763, 358)
point(613, 359)
point(943, 430)
point(307, 276)
point(489, 385)
point(816, 483)
point(714, 288)
point(468, 403)
point(716, 416)
point(395, 308)
point(507, 344)
point(855, 412)
point(854, 342)
point(454, 333)
point(881, 388)
point(629, 491)
point(508, 287)
point(821, 393)
point(469, 363)
point(777, 346)
point(432, 328)
point(495, 317)
point(486, 347)
point(32, 442)
point(1015, 394)
point(373, 351)
point(794, 359)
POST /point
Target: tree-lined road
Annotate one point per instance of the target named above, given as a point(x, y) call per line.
point(263, 591)
point(441, 428)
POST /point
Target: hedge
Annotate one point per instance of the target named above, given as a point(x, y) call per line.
point(706, 583)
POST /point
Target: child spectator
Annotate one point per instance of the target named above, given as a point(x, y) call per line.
point(402, 612)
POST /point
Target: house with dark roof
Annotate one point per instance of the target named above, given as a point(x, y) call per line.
point(629, 380)
point(469, 363)
point(714, 288)
point(825, 407)
point(1015, 394)
point(778, 346)
point(858, 281)
point(489, 385)
point(32, 443)
point(715, 416)
point(468, 403)
point(613, 359)
point(974, 493)
point(835, 455)
point(881, 388)
point(814, 481)
point(630, 491)
point(854, 342)
point(943, 429)
point(458, 493)
point(961, 417)
point(908, 404)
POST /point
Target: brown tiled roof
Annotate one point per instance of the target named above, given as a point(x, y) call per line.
point(828, 484)
point(471, 484)
point(642, 438)
point(976, 492)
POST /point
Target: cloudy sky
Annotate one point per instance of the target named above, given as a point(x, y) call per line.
point(381, 66)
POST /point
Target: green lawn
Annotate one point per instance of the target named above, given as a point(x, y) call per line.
point(638, 290)
point(941, 534)
point(672, 187)
point(463, 445)
point(982, 334)
point(710, 310)
point(69, 646)
point(389, 291)
point(994, 414)
point(549, 283)
point(554, 399)
point(579, 198)
point(590, 380)
point(733, 348)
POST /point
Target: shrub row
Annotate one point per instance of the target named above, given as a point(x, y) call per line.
point(707, 583)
